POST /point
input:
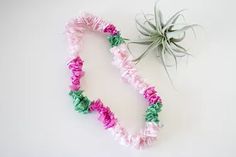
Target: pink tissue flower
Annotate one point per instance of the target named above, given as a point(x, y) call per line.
point(151, 95)
point(105, 115)
point(76, 28)
point(111, 29)
point(129, 74)
point(75, 65)
point(138, 140)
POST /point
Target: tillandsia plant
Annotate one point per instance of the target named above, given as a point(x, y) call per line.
point(163, 36)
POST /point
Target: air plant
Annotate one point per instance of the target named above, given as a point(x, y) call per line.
point(162, 36)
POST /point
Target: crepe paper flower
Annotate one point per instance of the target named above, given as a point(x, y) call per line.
point(152, 112)
point(80, 101)
point(96, 106)
point(151, 95)
point(75, 29)
point(129, 74)
point(75, 65)
point(115, 40)
point(162, 36)
point(111, 29)
point(138, 140)
point(151, 129)
point(105, 115)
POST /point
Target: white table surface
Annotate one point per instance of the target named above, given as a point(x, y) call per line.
point(37, 118)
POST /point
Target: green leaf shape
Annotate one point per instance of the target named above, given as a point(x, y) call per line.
point(80, 101)
point(115, 40)
point(152, 112)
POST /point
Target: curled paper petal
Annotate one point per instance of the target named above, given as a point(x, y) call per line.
point(122, 60)
point(151, 95)
point(152, 112)
point(75, 65)
point(115, 40)
point(105, 115)
point(76, 28)
point(138, 140)
point(111, 29)
point(80, 101)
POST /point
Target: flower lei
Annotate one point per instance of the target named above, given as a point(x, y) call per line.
point(75, 30)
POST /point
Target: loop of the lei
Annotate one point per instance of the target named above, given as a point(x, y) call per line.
point(75, 30)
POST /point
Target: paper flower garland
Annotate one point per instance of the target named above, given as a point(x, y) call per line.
point(75, 30)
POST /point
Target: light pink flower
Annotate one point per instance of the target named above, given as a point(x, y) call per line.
point(139, 140)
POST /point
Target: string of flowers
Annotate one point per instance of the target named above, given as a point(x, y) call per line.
point(121, 59)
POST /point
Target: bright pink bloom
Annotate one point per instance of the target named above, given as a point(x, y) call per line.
point(111, 29)
point(75, 65)
point(151, 95)
point(105, 115)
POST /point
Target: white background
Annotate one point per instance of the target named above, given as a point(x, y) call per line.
point(37, 118)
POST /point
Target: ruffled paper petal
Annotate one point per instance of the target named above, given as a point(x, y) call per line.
point(80, 101)
point(105, 115)
point(75, 65)
point(123, 61)
point(115, 40)
point(151, 95)
point(152, 112)
point(139, 140)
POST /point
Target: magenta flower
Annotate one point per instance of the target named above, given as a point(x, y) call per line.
point(151, 95)
point(96, 105)
point(75, 65)
point(105, 115)
point(111, 29)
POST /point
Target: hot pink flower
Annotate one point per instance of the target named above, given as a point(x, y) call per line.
point(96, 106)
point(75, 65)
point(111, 29)
point(105, 115)
point(151, 95)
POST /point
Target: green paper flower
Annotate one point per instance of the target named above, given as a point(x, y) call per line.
point(115, 40)
point(80, 101)
point(76, 94)
point(152, 112)
point(83, 105)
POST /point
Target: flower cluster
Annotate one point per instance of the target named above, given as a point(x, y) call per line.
point(111, 29)
point(75, 65)
point(80, 101)
point(115, 40)
point(151, 95)
point(152, 112)
point(114, 37)
point(105, 114)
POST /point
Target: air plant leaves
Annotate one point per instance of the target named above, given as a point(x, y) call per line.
point(179, 39)
point(179, 31)
point(162, 35)
point(173, 18)
point(149, 22)
point(157, 18)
